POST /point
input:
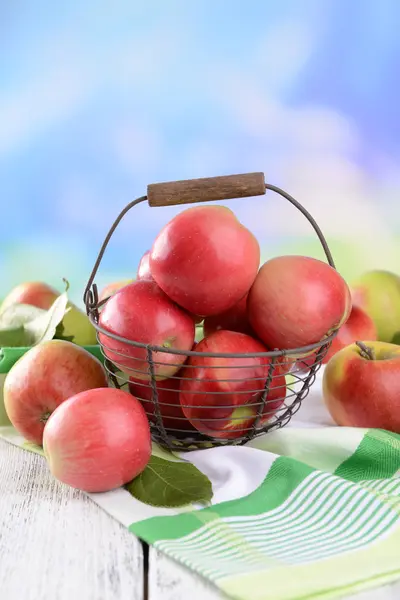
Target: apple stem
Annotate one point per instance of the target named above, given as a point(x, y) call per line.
point(365, 351)
point(45, 417)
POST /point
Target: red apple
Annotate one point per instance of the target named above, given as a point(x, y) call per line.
point(144, 271)
point(113, 287)
point(361, 386)
point(141, 312)
point(296, 301)
point(205, 259)
point(359, 326)
point(35, 293)
point(98, 440)
point(168, 400)
point(44, 377)
point(221, 396)
point(234, 319)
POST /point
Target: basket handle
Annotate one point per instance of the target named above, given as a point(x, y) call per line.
point(189, 191)
point(206, 189)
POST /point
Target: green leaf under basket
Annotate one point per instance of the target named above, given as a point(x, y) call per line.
point(169, 484)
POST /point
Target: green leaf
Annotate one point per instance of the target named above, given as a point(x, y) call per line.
point(44, 327)
point(19, 314)
point(170, 484)
point(13, 321)
point(59, 334)
point(24, 325)
point(33, 448)
point(12, 337)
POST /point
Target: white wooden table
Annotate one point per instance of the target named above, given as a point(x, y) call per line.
point(56, 544)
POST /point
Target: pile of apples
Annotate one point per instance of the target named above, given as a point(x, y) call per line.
point(204, 269)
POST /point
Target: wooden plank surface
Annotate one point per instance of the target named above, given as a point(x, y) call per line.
point(170, 581)
point(55, 543)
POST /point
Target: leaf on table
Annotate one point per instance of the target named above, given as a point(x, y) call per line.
point(25, 325)
point(170, 484)
point(19, 314)
point(12, 337)
point(59, 334)
point(43, 328)
point(33, 448)
point(13, 321)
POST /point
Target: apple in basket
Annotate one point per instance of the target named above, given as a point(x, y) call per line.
point(221, 396)
point(172, 415)
point(359, 326)
point(233, 319)
point(361, 386)
point(144, 271)
point(44, 377)
point(98, 440)
point(205, 259)
point(142, 312)
point(296, 301)
point(113, 287)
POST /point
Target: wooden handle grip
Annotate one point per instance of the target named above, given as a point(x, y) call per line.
point(190, 191)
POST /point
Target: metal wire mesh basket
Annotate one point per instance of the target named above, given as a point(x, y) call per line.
point(230, 398)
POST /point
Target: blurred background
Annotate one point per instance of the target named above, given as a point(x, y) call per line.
point(100, 98)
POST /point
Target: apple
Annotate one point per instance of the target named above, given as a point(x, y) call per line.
point(205, 259)
point(233, 319)
point(75, 322)
point(296, 301)
point(98, 440)
point(141, 312)
point(168, 401)
point(361, 386)
point(144, 271)
point(35, 293)
point(44, 377)
point(378, 293)
point(113, 287)
point(359, 326)
point(221, 396)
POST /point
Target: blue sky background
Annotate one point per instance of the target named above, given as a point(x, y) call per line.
point(98, 99)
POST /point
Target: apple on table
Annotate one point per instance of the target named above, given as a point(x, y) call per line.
point(361, 386)
point(98, 440)
point(377, 292)
point(44, 377)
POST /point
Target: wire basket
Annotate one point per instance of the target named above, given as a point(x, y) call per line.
point(231, 398)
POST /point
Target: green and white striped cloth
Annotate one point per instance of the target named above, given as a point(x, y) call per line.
point(310, 511)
